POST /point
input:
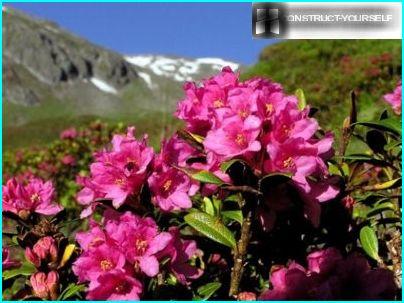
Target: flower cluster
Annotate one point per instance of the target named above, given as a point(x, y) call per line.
point(330, 276)
point(33, 196)
point(257, 122)
point(395, 99)
point(124, 249)
point(117, 173)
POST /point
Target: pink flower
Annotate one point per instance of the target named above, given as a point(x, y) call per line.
point(44, 250)
point(175, 151)
point(180, 253)
point(139, 239)
point(45, 286)
point(68, 160)
point(236, 137)
point(331, 277)
point(246, 296)
point(292, 123)
point(36, 196)
point(115, 285)
point(294, 156)
point(117, 173)
point(98, 260)
point(69, 133)
point(394, 99)
point(7, 261)
point(171, 190)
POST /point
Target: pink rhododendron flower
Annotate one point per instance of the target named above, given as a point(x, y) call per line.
point(68, 160)
point(69, 133)
point(180, 253)
point(171, 190)
point(395, 99)
point(329, 276)
point(115, 285)
point(98, 260)
point(45, 286)
point(117, 173)
point(235, 137)
point(7, 261)
point(35, 196)
point(139, 239)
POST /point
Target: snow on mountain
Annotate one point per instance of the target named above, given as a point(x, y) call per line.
point(100, 84)
point(177, 69)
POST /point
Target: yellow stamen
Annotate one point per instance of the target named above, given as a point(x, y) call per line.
point(167, 185)
point(240, 139)
point(106, 265)
point(288, 163)
point(218, 103)
point(269, 108)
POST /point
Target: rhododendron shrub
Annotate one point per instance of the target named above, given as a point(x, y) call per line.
point(249, 200)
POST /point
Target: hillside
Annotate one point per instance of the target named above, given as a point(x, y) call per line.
point(53, 79)
point(327, 70)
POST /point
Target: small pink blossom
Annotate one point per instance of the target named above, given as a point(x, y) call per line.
point(35, 196)
point(69, 133)
point(180, 253)
point(69, 160)
point(395, 99)
point(171, 190)
point(115, 285)
point(236, 137)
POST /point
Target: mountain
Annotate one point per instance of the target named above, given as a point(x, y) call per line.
point(53, 78)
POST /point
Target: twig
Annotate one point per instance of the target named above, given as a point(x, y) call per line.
point(243, 188)
point(239, 256)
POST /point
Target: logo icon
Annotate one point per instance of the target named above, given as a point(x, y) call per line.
point(267, 21)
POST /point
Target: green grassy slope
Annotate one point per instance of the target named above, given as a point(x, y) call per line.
point(327, 70)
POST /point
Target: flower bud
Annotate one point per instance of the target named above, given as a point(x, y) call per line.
point(38, 283)
point(247, 296)
point(46, 247)
point(32, 257)
point(45, 286)
point(53, 284)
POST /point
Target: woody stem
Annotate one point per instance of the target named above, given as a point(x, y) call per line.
point(239, 255)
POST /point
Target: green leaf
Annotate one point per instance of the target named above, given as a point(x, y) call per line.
point(376, 141)
point(369, 242)
point(302, 99)
point(392, 125)
point(208, 206)
point(211, 227)
point(385, 185)
point(380, 208)
point(207, 177)
point(207, 290)
point(224, 167)
point(26, 269)
point(71, 290)
point(235, 215)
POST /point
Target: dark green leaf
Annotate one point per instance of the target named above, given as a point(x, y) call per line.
point(207, 177)
point(376, 140)
point(71, 290)
point(26, 269)
point(369, 242)
point(207, 290)
point(380, 208)
point(392, 125)
point(235, 215)
point(211, 227)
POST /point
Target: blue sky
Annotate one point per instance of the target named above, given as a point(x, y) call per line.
point(190, 30)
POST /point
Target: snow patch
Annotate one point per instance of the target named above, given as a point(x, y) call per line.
point(179, 69)
point(100, 84)
point(146, 78)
